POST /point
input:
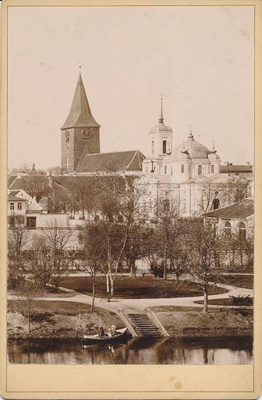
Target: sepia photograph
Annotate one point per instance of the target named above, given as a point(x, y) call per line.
point(130, 185)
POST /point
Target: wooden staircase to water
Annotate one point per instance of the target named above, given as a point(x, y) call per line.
point(143, 324)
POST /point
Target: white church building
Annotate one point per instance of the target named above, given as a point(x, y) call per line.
point(186, 174)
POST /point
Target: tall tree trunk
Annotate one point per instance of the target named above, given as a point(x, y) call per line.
point(111, 285)
point(165, 262)
point(29, 317)
point(205, 306)
point(93, 298)
point(107, 283)
point(133, 267)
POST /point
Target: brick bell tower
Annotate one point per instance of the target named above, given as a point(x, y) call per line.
point(80, 133)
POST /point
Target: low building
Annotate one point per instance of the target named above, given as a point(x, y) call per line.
point(236, 219)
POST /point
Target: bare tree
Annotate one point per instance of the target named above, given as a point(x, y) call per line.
point(27, 293)
point(119, 202)
point(217, 195)
point(94, 255)
point(18, 238)
point(38, 256)
point(202, 247)
point(57, 238)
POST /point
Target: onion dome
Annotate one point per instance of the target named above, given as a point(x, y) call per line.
point(213, 154)
point(196, 150)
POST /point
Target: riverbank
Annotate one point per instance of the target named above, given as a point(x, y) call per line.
point(69, 321)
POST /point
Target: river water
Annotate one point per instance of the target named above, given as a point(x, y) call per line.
point(135, 351)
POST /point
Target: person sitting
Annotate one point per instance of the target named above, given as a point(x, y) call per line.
point(112, 330)
point(101, 331)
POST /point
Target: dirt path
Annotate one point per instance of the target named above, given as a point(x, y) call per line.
point(141, 304)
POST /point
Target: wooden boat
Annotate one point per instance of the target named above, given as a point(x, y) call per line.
point(107, 337)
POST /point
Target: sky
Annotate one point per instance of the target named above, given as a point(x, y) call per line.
point(200, 59)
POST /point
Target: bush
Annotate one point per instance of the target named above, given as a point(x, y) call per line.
point(43, 316)
point(15, 282)
point(241, 300)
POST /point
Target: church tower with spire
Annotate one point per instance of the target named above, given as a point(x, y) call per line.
point(161, 137)
point(80, 134)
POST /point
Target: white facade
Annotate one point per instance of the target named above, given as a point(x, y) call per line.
point(187, 174)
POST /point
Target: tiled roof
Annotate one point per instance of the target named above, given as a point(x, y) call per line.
point(11, 179)
point(241, 210)
point(27, 182)
point(14, 192)
point(117, 161)
point(11, 197)
point(80, 113)
point(235, 168)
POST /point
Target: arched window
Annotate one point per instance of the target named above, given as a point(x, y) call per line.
point(241, 230)
point(120, 218)
point(165, 169)
point(164, 146)
point(171, 170)
point(199, 170)
point(212, 169)
point(182, 168)
point(227, 228)
point(152, 146)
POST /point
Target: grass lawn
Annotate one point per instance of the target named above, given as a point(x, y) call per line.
point(57, 319)
point(68, 308)
point(138, 287)
point(242, 281)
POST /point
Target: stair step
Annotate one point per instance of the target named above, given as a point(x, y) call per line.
point(143, 325)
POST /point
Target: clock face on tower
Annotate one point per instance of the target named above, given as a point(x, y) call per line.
point(87, 134)
point(67, 136)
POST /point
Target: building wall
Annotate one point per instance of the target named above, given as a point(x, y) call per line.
point(75, 142)
point(16, 210)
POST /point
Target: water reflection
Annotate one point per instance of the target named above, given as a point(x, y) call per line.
point(135, 351)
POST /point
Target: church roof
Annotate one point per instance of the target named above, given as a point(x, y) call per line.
point(197, 151)
point(241, 210)
point(160, 128)
point(117, 161)
point(80, 113)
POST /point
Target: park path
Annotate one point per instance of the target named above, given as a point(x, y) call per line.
point(116, 305)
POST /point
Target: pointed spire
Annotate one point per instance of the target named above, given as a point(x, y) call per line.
point(161, 119)
point(80, 113)
point(190, 136)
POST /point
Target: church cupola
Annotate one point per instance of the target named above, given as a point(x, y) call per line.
point(161, 137)
point(80, 133)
